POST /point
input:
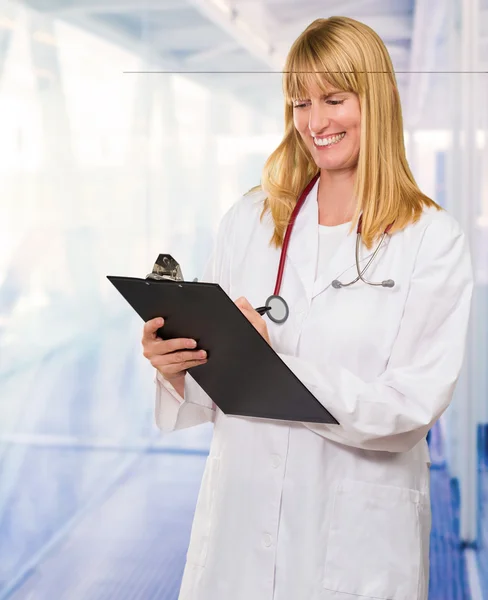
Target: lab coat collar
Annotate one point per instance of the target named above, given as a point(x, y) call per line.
point(303, 250)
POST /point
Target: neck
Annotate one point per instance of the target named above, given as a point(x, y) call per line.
point(335, 197)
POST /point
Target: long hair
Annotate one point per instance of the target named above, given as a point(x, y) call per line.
point(347, 55)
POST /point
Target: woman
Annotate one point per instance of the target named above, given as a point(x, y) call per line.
point(292, 511)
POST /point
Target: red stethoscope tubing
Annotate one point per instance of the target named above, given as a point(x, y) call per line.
point(291, 222)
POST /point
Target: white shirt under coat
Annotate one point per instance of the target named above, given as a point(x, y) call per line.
point(297, 511)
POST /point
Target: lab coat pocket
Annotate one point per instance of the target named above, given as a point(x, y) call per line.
point(374, 543)
point(204, 514)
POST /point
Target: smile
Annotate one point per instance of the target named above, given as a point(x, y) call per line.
point(328, 141)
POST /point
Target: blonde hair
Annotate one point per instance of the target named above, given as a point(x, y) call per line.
point(349, 56)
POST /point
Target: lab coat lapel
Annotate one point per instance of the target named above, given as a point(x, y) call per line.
point(303, 244)
point(340, 261)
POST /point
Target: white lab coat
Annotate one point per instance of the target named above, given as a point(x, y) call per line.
point(296, 511)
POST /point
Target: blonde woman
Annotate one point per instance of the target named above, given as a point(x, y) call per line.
point(300, 511)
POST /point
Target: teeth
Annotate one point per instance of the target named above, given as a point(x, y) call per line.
point(329, 141)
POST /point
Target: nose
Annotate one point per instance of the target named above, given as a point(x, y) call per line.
point(318, 119)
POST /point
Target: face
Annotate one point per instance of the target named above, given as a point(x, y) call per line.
point(330, 126)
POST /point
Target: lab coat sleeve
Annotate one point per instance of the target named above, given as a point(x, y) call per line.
point(172, 411)
point(394, 412)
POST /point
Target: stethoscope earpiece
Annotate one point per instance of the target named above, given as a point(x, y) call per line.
point(386, 283)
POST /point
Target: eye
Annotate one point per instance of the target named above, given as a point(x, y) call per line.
point(299, 104)
point(335, 102)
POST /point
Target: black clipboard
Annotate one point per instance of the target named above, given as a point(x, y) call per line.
point(243, 376)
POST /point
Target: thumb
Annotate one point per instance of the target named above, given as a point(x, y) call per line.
point(243, 303)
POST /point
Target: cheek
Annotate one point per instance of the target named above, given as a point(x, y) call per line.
point(300, 124)
point(354, 131)
point(352, 123)
point(357, 135)
point(351, 118)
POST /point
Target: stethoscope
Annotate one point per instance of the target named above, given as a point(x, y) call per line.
point(276, 307)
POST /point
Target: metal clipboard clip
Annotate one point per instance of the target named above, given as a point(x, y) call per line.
point(166, 267)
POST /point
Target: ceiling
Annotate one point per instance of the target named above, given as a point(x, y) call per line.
point(236, 43)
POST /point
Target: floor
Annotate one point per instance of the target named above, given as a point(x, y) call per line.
point(129, 539)
point(483, 507)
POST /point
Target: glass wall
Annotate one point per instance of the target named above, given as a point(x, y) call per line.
point(101, 171)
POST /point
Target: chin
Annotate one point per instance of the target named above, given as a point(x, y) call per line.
point(332, 165)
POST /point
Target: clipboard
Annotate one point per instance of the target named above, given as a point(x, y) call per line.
point(244, 376)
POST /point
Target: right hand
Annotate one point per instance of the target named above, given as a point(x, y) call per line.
point(170, 357)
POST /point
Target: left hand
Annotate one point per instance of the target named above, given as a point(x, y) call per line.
point(253, 317)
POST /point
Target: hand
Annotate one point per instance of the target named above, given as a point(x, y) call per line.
point(170, 357)
point(253, 317)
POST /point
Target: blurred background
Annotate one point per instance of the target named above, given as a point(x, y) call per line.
point(127, 128)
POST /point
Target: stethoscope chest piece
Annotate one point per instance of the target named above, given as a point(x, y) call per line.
point(278, 309)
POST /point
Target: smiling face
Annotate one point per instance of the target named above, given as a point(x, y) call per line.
point(330, 125)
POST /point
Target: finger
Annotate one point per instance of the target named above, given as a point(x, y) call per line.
point(173, 345)
point(251, 315)
point(150, 328)
point(248, 316)
point(174, 369)
point(185, 356)
point(178, 358)
point(242, 308)
point(160, 347)
point(243, 302)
